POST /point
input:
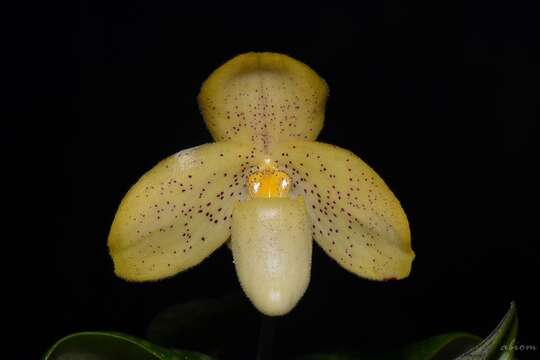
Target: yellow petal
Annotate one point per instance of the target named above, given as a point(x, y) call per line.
point(271, 243)
point(263, 98)
point(179, 212)
point(356, 219)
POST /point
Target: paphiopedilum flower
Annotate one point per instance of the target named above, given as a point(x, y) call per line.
point(266, 185)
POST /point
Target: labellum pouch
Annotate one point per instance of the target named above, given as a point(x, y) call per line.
point(271, 244)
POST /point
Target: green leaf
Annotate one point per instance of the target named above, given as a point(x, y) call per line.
point(205, 324)
point(499, 345)
point(103, 345)
point(446, 346)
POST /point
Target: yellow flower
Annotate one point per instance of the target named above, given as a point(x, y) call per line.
point(268, 186)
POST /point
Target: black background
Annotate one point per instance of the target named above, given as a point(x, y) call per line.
point(441, 100)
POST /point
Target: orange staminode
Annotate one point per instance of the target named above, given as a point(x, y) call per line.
point(269, 183)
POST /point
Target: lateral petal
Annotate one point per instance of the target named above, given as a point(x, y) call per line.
point(179, 212)
point(356, 218)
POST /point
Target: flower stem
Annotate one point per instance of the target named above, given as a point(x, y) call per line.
point(266, 338)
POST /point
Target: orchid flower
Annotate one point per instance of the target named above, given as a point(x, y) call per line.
point(266, 185)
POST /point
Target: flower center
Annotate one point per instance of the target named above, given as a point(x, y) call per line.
point(269, 183)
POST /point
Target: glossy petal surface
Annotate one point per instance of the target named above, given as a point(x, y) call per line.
point(179, 212)
point(262, 99)
point(356, 219)
point(271, 243)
